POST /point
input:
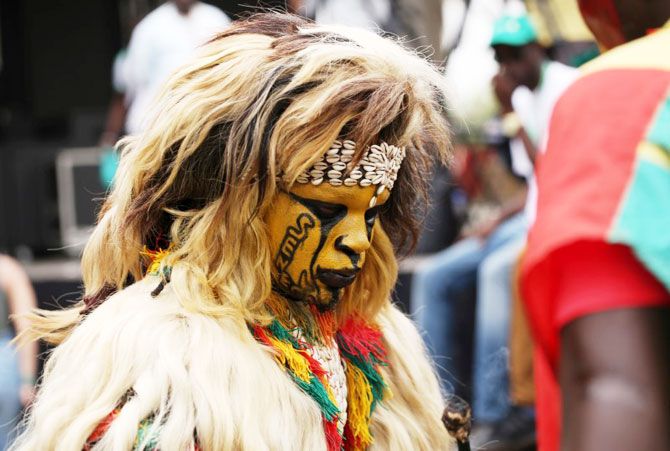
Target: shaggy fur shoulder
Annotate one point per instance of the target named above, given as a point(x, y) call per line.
point(205, 377)
point(412, 417)
point(192, 372)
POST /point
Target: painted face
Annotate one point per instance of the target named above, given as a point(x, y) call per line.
point(319, 236)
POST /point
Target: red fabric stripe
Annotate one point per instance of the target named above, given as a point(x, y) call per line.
point(594, 132)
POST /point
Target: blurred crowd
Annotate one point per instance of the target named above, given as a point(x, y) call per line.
point(508, 63)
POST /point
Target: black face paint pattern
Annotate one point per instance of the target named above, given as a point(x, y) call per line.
point(293, 238)
point(329, 216)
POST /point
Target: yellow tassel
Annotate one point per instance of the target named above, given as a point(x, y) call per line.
point(331, 395)
point(359, 399)
point(156, 257)
point(288, 356)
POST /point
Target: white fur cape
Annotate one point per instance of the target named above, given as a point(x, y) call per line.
point(198, 373)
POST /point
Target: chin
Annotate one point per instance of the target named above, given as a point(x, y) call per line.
point(327, 299)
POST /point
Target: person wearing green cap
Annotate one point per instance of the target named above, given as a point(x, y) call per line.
point(443, 283)
point(527, 87)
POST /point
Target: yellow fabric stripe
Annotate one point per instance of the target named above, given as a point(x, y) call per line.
point(654, 154)
point(649, 52)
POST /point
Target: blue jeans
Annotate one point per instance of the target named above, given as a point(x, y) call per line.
point(490, 372)
point(437, 288)
point(10, 383)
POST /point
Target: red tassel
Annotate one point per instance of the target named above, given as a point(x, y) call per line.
point(260, 335)
point(101, 429)
point(358, 338)
point(333, 438)
point(314, 366)
point(350, 443)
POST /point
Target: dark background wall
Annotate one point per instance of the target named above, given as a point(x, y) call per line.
point(55, 85)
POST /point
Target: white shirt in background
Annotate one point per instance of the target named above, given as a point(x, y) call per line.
point(159, 44)
point(534, 110)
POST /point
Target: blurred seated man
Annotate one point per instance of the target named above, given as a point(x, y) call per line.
point(596, 277)
point(527, 87)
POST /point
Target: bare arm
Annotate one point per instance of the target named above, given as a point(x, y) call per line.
point(615, 381)
point(531, 151)
point(21, 300)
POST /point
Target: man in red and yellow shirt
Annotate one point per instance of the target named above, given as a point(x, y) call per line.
point(596, 277)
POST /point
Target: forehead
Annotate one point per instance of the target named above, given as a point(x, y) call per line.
point(507, 52)
point(353, 197)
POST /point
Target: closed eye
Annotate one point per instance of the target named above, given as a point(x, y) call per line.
point(371, 214)
point(325, 211)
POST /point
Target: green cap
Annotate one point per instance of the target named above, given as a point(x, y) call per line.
point(514, 31)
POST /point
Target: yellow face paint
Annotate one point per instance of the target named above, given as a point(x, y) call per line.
point(319, 236)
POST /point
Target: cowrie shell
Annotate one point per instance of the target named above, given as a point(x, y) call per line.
point(339, 166)
point(317, 181)
point(335, 182)
point(333, 159)
point(333, 174)
point(350, 182)
point(378, 179)
point(365, 182)
point(373, 201)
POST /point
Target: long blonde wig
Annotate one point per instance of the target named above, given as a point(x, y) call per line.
point(260, 103)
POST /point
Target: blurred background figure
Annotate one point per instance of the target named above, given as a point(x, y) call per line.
point(596, 275)
point(160, 43)
point(417, 23)
point(527, 86)
point(18, 368)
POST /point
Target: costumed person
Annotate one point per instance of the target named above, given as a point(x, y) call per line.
point(237, 285)
point(596, 276)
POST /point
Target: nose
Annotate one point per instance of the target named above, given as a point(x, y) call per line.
point(353, 245)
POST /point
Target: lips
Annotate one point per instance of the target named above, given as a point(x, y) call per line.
point(337, 278)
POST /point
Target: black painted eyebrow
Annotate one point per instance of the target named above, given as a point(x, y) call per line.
point(312, 202)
